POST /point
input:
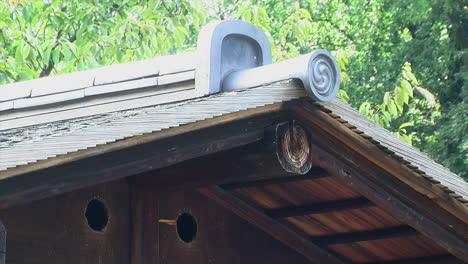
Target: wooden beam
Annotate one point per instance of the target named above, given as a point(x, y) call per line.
point(391, 232)
point(341, 152)
point(424, 260)
point(402, 210)
point(312, 115)
point(298, 242)
point(3, 240)
point(267, 159)
point(144, 231)
point(221, 238)
point(320, 208)
point(134, 155)
point(314, 173)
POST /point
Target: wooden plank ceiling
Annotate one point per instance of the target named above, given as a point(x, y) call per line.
point(321, 209)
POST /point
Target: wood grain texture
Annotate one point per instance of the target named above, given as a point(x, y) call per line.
point(391, 249)
point(133, 156)
point(319, 208)
point(371, 235)
point(420, 162)
point(222, 237)
point(452, 237)
point(371, 152)
point(442, 259)
point(314, 173)
point(296, 193)
point(296, 241)
point(3, 248)
point(342, 222)
point(144, 230)
point(261, 162)
point(56, 230)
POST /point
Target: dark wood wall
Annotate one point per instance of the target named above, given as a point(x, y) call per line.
point(56, 230)
point(222, 237)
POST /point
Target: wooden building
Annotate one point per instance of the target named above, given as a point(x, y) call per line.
point(215, 156)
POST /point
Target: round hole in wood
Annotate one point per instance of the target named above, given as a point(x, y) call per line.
point(186, 227)
point(96, 214)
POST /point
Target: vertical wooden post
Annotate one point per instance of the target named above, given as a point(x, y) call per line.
point(3, 236)
point(144, 226)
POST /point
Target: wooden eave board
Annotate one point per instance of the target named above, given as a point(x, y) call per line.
point(421, 163)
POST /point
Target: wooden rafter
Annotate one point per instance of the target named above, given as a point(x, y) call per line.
point(320, 208)
point(299, 242)
point(381, 195)
point(385, 181)
point(386, 233)
point(424, 260)
point(312, 116)
point(314, 173)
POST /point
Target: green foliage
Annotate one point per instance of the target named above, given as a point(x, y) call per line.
point(387, 50)
point(39, 38)
point(402, 112)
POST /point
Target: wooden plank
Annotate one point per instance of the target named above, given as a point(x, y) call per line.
point(221, 236)
point(320, 208)
point(257, 161)
point(451, 239)
point(402, 149)
point(351, 158)
point(425, 260)
point(134, 155)
point(60, 229)
point(3, 240)
point(246, 163)
point(296, 241)
point(144, 232)
point(312, 115)
point(391, 232)
point(314, 173)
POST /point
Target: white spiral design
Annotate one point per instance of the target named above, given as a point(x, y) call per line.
point(323, 76)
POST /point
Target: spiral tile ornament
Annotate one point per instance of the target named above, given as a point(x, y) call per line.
point(323, 76)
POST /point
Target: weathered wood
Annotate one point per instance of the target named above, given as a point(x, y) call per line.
point(221, 237)
point(134, 155)
point(3, 240)
point(425, 260)
point(298, 242)
point(278, 155)
point(383, 195)
point(314, 173)
point(401, 149)
point(312, 115)
point(59, 229)
point(290, 143)
point(320, 208)
point(391, 232)
point(359, 164)
point(144, 230)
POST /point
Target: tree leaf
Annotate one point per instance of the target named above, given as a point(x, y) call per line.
point(392, 109)
point(406, 85)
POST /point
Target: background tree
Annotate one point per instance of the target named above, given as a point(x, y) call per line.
point(404, 64)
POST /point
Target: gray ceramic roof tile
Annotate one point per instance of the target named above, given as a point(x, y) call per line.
point(50, 99)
